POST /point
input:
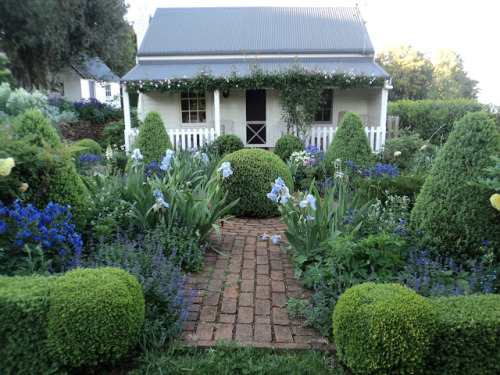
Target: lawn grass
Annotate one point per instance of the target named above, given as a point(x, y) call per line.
point(232, 360)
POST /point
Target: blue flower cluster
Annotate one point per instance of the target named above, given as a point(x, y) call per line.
point(153, 169)
point(378, 171)
point(89, 160)
point(92, 102)
point(314, 152)
point(50, 229)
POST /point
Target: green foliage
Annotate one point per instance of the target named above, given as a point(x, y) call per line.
point(91, 148)
point(431, 119)
point(95, 316)
point(21, 100)
point(493, 172)
point(32, 122)
point(5, 74)
point(228, 358)
point(453, 215)
point(227, 144)
point(286, 145)
point(468, 328)
point(23, 320)
point(349, 143)
point(153, 139)
point(384, 328)
point(4, 96)
point(97, 28)
point(113, 135)
point(409, 145)
point(253, 172)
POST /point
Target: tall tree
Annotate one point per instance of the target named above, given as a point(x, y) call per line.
point(410, 70)
point(450, 80)
point(40, 37)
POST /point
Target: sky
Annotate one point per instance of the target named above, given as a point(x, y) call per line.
point(471, 28)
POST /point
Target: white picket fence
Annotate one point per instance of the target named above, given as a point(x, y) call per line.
point(323, 136)
point(182, 138)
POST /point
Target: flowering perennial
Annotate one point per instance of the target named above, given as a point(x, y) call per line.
point(280, 192)
point(136, 156)
point(226, 169)
point(275, 238)
point(160, 201)
point(165, 163)
point(309, 201)
point(6, 166)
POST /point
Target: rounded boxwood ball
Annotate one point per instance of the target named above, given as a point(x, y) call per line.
point(95, 316)
point(91, 148)
point(383, 329)
point(287, 145)
point(228, 143)
point(254, 170)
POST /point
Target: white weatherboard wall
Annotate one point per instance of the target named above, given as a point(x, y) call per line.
point(365, 102)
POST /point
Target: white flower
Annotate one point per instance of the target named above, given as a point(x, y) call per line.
point(226, 169)
point(309, 201)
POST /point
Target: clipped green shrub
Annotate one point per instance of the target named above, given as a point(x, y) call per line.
point(349, 143)
point(383, 329)
point(454, 216)
point(287, 145)
point(32, 122)
point(227, 143)
point(153, 139)
point(91, 148)
point(113, 135)
point(253, 172)
point(95, 316)
point(23, 320)
point(468, 330)
point(431, 118)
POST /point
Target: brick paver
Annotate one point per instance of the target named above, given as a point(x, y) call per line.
point(241, 293)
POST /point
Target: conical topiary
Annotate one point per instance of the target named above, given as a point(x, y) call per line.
point(153, 139)
point(33, 123)
point(349, 143)
point(454, 216)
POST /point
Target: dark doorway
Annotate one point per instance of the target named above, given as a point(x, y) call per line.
point(256, 117)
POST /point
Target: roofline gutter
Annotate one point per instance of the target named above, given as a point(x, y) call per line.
point(256, 56)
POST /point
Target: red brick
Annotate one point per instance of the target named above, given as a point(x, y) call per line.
point(224, 332)
point(277, 275)
point(249, 254)
point(276, 265)
point(245, 315)
point(262, 333)
point(262, 307)
point(261, 259)
point(263, 319)
point(246, 299)
point(204, 331)
point(262, 292)
point(247, 286)
point(231, 291)
point(263, 280)
point(249, 263)
point(189, 326)
point(244, 332)
point(282, 334)
point(263, 269)
point(279, 299)
point(208, 313)
point(215, 286)
point(232, 279)
point(218, 274)
point(278, 286)
point(228, 306)
point(234, 268)
point(280, 316)
point(221, 263)
point(211, 299)
point(227, 318)
point(248, 274)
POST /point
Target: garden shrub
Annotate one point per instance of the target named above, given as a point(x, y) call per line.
point(228, 143)
point(153, 139)
point(95, 112)
point(95, 316)
point(432, 119)
point(253, 172)
point(113, 135)
point(349, 143)
point(21, 100)
point(32, 122)
point(468, 328)
point(91, 148)
point(453, 215)
point(287, 145)
point(383, 328)
point(4, 95)
point(23, 321)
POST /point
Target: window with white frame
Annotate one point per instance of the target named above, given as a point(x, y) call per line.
point(193, 108)
point(107, 88)
point(324, 115)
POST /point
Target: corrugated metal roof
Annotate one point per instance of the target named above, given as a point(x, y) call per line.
point(209, 31)
point(94, 68)
point(161, 70)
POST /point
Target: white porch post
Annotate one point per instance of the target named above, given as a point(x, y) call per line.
point(217, 112)
point(126, 114)
point(383, 111)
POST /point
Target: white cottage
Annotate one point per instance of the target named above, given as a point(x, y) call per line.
point(90, 78)
point(185, 43)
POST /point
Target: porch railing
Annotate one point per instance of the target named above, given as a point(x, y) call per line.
point(182, 138)
point(322, 137)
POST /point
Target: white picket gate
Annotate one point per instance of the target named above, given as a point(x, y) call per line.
point(182, 138)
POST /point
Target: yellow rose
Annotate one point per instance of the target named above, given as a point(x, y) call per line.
point(495, 201)
point(24, 186)
point(6, 166)
point(397, 153)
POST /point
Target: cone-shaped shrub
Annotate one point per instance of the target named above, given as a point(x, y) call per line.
point(287, 145)
point(454, 216)
point(349, 143)
point(253, 172)
point(153, 139)
point(32, 122)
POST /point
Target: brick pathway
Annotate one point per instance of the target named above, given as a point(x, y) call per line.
point(242, 297)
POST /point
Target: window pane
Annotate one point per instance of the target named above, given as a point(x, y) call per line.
point(194, 117)
point(184, 105)
point(193, 105)
point(185, 117)
point(184, 94)
point(202, 117)
point(202, 104)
